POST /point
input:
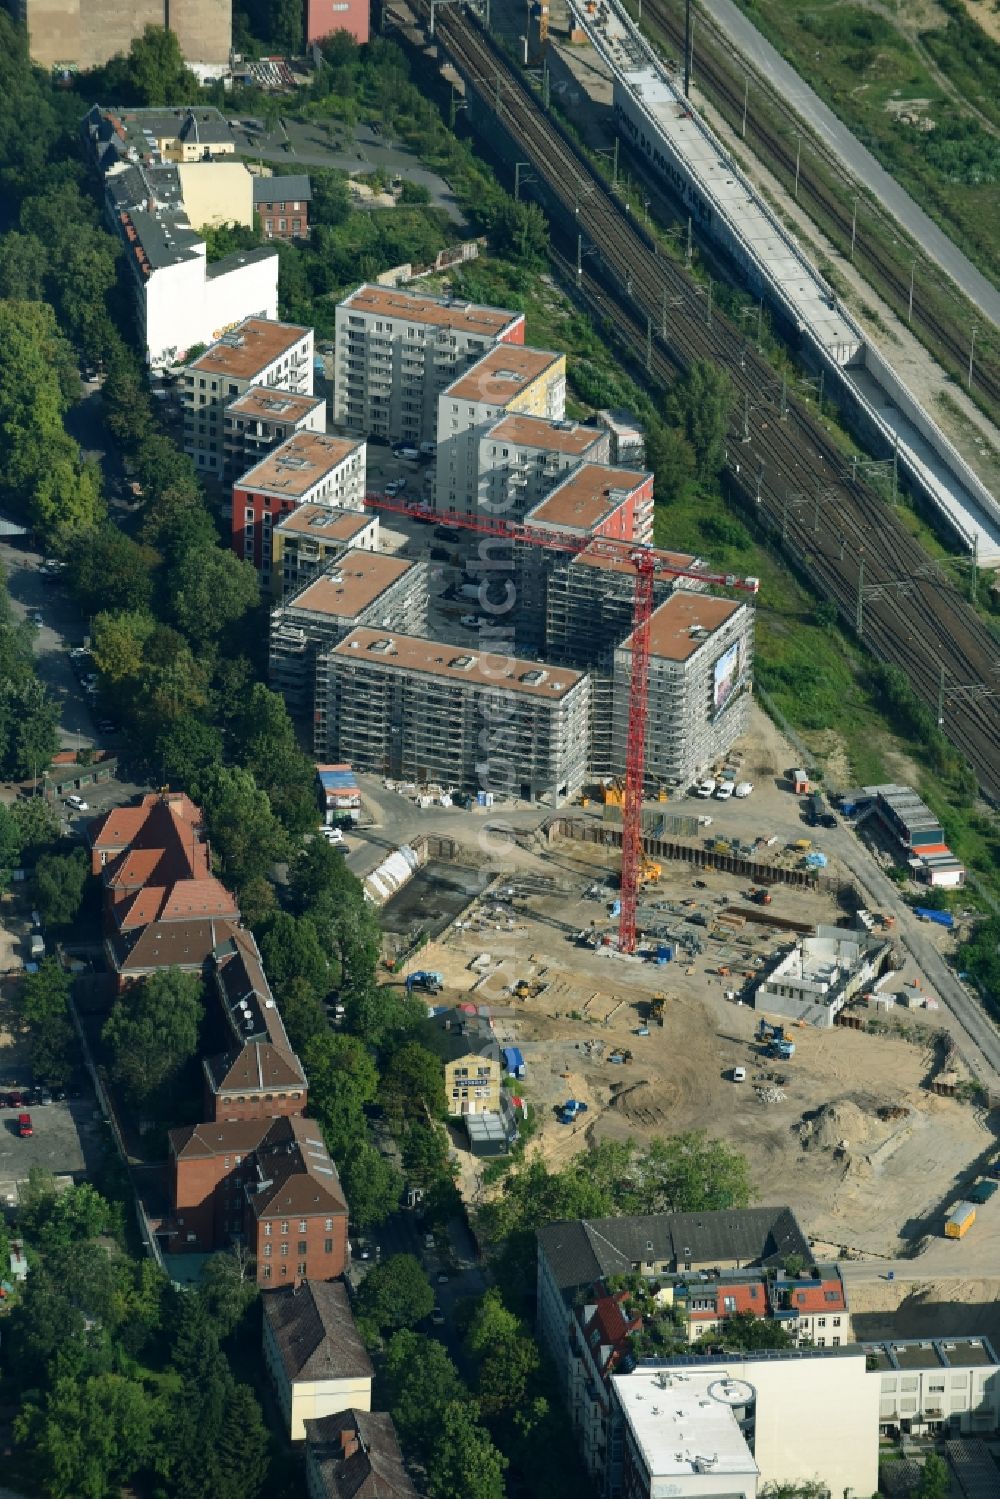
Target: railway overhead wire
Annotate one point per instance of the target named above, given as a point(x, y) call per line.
point(780, 460)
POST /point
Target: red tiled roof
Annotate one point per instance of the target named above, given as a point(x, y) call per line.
point(818, 1296)
point(747, 1296)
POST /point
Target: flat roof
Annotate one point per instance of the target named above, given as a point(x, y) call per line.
point(298, 463)
point(503, 373)
point(675, 630)
point(249, 348)
point(542, 432)
point(686, 1424)
point(587, 496)
point(271, 403)
point(435, 312)
point(350, 584)
point(414, 653)
point(324, 523)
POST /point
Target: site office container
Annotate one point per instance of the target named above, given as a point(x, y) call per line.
point(959, 1220)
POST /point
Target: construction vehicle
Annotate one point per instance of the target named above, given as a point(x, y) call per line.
point(649, 871)
point(613, 794)
point(646, 563)
point(760, 896)
point(657, 1006)
point(424, 979)
point(774, 1041)
point(959, 1220)
point(571, 1109)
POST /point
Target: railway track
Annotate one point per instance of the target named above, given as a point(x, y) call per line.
point(726, 92)
point(781, 463)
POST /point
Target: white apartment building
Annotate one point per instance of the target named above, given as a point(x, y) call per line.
point(700, 671)
point(801, 1416)
point(396, 351)
point(259, 351)
point(509, 379)
point(422, 710)
point(522, 457)
point(263, 416)
point(180, 299)
point(936, 1386)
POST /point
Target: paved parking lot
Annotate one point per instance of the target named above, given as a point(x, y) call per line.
point(69, 1139)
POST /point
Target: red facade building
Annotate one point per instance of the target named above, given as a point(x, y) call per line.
point(324, 17)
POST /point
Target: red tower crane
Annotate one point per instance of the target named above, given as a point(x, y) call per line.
point(647, 563)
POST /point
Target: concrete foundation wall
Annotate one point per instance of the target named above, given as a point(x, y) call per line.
point(86, 33)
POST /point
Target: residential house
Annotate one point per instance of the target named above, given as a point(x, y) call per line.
point(306, 540)
point(263, 417)
point(282, 206)
point(355, 1455)
point(473, 1068)
point(314, 1354)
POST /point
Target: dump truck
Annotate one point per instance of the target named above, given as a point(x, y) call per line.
point(959, 1220)
point(657, 1005)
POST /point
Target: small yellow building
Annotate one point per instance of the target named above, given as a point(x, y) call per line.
point(473, 1071)
point(316, 1360)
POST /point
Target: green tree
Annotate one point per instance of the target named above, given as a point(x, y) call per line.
point(186, 750)
point(228, 1289)
point(291, 949)
point(342, 1081)
point(425, 1155)
point(935, 1479)
point(110, 572)
point(413, 1084)
point(30, 722)
point(372, 1185)
point(153, 1031)
point(520, 232)
point(154, 71)
point(246, 836)
point(464, 1464)
point(264, 743)
point(395, 1294)
point(55, 1219)
point(43, 995)
point(690, 1173)
point(421, 1383)
point(671, 456)
point(87, 1441)
point(242, 1454)
point(59, 884)
point(698, 405)
point(744, 1331)
point(10, 846)
point(212, 592)
point(505, 1357)
point(37, 824)
point(118, 643)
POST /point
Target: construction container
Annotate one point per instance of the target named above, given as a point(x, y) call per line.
point(959, 1220)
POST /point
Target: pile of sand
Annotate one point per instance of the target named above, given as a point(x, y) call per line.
point(839, 1126)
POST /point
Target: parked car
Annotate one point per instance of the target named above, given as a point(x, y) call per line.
point(437, 1316)
point(406, 451)
point(743, 789)
point(704, 788)
point(77, 803)
point(394, 487)
point(724, 790)
point(428, 449)
point(24, 1128)
point(332, 835)
point(739, 1074)
point(470, 621)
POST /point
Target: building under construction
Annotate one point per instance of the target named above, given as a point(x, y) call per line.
point(357, 587)
point(419, 710)
point(700, 674)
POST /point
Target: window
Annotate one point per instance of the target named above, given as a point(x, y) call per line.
point(821, 1342)
point(303, 1246)
point(284, 1250)
point(284, 1226)
point(303, 1225)
point(836, 1321)
point(267, 1251)
point(328, 1225)
point(820, 1321)
point(301, 1267)
point(267, 1272)
point(327, 1246)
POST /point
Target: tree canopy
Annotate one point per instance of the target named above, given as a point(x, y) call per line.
point(153, 1031)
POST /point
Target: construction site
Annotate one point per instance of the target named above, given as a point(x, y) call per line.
point(869, 1127)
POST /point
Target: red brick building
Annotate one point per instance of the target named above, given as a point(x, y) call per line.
point(257, 1076)
point(266, 1183)
point(282, 206)
point(163, 907)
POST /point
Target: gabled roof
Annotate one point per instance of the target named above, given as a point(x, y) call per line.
point(453, 1034)
point(295, 188)
point(295, 1176)
point(193, 1142)
point(315, 1332)
point(355, 1455)
point(259, 1065)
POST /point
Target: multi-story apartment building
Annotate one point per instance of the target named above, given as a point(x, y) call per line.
point(522, 457)
point(700, 670)
point(508, 380)
point(180, 299)
point(260, 419)
point(81, 34)
point(259, 351)
point(282, 206)
point(592, 500)
point(308, 468)
point(265, 1183)
point(936, 1386)
point(355, 588)
point(574, 1256)
point(314, 1353)
point(422, 710)
point(355, 1455)
point(396, 351)
point(307, 539)
point(163, 907)
point(729, 1428)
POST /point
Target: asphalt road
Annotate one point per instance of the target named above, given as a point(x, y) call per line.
point(835, 135)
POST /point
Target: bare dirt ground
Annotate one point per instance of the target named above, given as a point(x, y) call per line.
point(884, 1309)
point(847, 1133)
